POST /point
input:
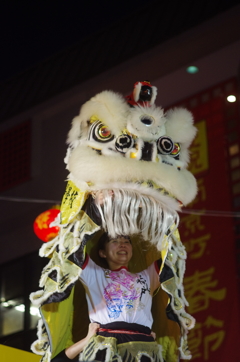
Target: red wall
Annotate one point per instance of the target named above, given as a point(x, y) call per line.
point(210, 234)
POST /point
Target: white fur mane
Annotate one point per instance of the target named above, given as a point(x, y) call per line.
point(127, 212)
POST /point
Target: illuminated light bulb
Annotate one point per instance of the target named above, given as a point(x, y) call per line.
point(34, 311)
point(20, 308)
point(192, 69)
point(231, 98)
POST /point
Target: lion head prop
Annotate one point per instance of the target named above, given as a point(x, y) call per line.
point(127, 162)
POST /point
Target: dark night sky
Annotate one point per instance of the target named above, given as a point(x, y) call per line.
point(32, 30)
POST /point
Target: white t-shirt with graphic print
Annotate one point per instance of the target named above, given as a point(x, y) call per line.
point(118, 295)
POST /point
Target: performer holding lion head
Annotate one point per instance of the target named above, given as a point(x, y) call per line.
point(128, 179)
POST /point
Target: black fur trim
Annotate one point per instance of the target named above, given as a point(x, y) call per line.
point(59, 297)
point(170, 313)
point(78, 257)
point(166, 273)
point(91, 210)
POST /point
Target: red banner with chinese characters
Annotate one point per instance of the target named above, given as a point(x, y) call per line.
point(209, 237)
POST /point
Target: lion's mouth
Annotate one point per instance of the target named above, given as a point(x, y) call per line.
point(128, 212)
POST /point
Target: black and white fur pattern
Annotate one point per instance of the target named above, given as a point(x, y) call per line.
point(101, 163)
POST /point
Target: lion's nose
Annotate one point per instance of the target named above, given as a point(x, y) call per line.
point(147, 151)
point(147, 121)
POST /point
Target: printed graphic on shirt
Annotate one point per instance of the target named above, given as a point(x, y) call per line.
point(124, 292)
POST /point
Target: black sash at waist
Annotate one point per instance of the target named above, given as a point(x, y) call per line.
point(127, 326)
point(126, 332)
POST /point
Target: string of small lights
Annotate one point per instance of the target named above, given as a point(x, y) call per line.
point(216, 213)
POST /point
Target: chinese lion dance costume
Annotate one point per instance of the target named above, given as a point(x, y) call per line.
point(129, 151)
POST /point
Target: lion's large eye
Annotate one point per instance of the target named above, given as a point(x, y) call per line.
point(104, 132)
point(100, 133)
point(176, 150)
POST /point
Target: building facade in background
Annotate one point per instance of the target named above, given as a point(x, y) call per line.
point(209, 227)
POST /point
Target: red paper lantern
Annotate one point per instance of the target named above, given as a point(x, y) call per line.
point(41, 225)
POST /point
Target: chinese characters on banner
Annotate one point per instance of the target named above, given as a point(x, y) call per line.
point(210, 280)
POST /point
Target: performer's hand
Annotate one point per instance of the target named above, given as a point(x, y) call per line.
point(92, 329)
point(100, 196)
point(153, 334)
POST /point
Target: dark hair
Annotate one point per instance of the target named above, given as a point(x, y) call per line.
point(105, 238)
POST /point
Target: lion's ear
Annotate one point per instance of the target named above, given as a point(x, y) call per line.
point(180, 127)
